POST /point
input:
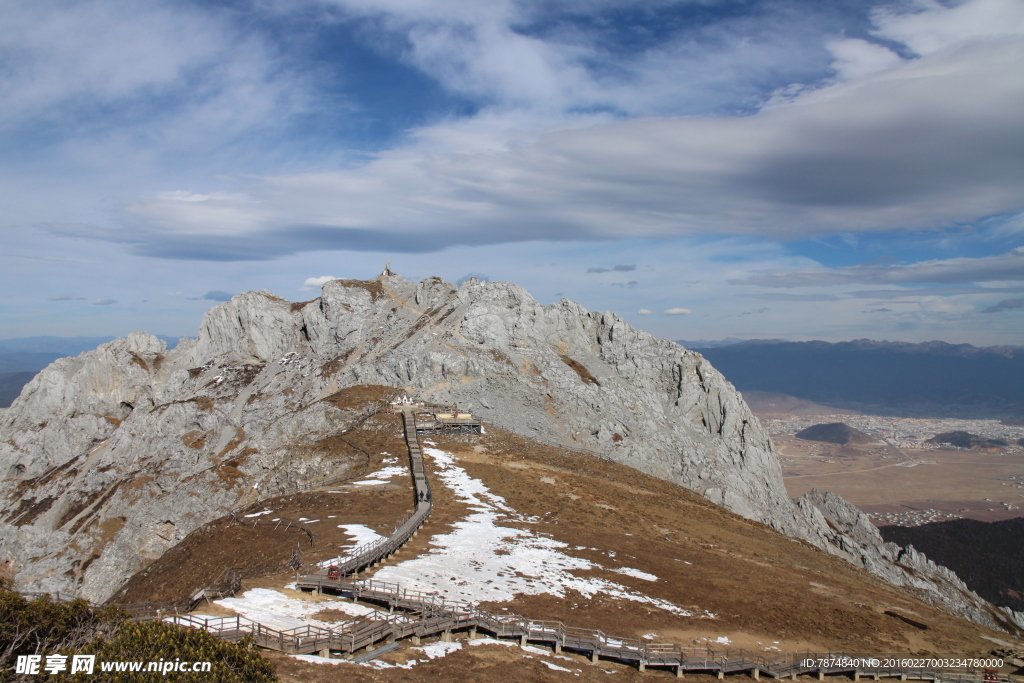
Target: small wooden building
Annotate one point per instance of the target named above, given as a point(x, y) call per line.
point(450, 422)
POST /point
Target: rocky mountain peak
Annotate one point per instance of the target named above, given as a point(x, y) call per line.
point(117, 454)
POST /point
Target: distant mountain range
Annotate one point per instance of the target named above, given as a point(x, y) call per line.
point(23, 357)
point(709, 343)
point(931, 378)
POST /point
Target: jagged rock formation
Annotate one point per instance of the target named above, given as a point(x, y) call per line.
point(112, 457)
point(849, 533)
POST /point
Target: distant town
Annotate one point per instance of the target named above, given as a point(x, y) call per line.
point(902, 442)
point(904, 432)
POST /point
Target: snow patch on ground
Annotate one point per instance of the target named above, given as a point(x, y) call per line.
point(382, 476)
point(277, 610)
point(360, 534)
point(490, 641)
point(317, 659)
point(555, 667)
point(635, 573)
point(438, 649)
point(483, 560)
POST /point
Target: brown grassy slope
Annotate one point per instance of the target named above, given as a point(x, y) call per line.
point(763, 587)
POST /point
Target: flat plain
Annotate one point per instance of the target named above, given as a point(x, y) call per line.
point(895, 483)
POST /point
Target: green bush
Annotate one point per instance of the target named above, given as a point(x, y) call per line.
point(152, 641)
point(41, 626)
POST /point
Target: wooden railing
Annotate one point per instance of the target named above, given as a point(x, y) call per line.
point(371, 553)
point(423, 614)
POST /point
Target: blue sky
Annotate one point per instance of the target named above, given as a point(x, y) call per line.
point(704, 168)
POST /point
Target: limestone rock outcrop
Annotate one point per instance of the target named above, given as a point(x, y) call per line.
point(846, 531)
point(110, 458)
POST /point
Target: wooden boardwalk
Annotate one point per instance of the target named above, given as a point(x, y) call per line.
point(415, 615)
point(371, 554)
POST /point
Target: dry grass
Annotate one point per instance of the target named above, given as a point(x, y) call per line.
point(374, 287)
point(762, 587)
point(580, 370)
point(359, 396)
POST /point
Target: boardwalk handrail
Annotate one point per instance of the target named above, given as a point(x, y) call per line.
point(438, 615)
point(426, 614)
point(370, 553)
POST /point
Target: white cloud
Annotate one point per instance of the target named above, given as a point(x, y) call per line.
point(645, 311)
point(67, 297)
point(1008, 266)
point(104, 302)
point(677, 311)
point(64, 63)
point(930, 26)
point(484, 52)
point(857, 58)
point(316, 282)
point(929, 142)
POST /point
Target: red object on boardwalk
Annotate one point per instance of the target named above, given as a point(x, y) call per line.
point(332, 573)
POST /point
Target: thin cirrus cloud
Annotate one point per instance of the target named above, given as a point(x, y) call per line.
point(104, 302)
point(213, 295)
point(677, 311)
point(1005, 305)
point(911, 292)
point(68, 297)
point(785, 296)
point(620, 268)
point(891, 144)
point(1008, 266)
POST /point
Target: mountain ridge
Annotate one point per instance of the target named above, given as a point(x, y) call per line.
point(112, 457)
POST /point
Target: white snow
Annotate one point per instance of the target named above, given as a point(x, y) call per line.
point(649, 636)
point(490, 641)
point(382, 476)
point(555, 666)
point(360, 534)
point(317, 659)
point(260, 514)
point(277, 610)
point(635, 573)
point(438, 649)
point(465, 564)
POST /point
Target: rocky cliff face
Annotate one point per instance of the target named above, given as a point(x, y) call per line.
point(846, 531)
point(112, 457)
